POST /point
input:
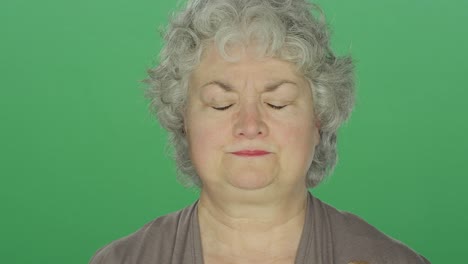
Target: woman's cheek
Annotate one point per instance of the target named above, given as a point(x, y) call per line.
point(207, 133)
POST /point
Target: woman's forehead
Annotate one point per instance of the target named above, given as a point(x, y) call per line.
point(214, 65)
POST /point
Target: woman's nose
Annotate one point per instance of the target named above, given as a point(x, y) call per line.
point(250, 123)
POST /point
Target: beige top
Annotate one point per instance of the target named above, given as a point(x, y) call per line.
point(329, 236)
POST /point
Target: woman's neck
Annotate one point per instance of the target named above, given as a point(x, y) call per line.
point(242, 227)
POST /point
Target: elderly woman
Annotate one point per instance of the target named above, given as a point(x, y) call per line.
point(252, 97)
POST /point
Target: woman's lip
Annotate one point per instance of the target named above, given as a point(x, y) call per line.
point(251, 153)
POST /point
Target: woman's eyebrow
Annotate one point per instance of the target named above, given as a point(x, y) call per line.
point(273, 86)
point(226, 87)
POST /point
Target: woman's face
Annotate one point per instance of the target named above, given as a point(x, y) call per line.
point(250, 124)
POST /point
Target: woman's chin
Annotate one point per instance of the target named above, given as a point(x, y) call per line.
point(250, 181)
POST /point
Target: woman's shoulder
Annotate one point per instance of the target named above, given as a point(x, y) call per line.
point(154, 240)
point(355, 238)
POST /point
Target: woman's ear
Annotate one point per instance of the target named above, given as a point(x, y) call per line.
point(318, 124)
point(184, 120)
point(185, 129)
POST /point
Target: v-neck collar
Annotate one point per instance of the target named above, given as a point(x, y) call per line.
point(315, 245)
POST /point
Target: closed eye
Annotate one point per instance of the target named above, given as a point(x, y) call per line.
point(222, 108)
point(276, 106)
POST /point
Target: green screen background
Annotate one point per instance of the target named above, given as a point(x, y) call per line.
point(82, 162)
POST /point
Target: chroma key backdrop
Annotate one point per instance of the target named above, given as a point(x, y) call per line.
point(83, 162)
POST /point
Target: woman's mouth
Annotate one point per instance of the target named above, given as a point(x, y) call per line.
point(251, 153)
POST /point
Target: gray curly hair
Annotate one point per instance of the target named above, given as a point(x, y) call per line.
point(291, 30)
